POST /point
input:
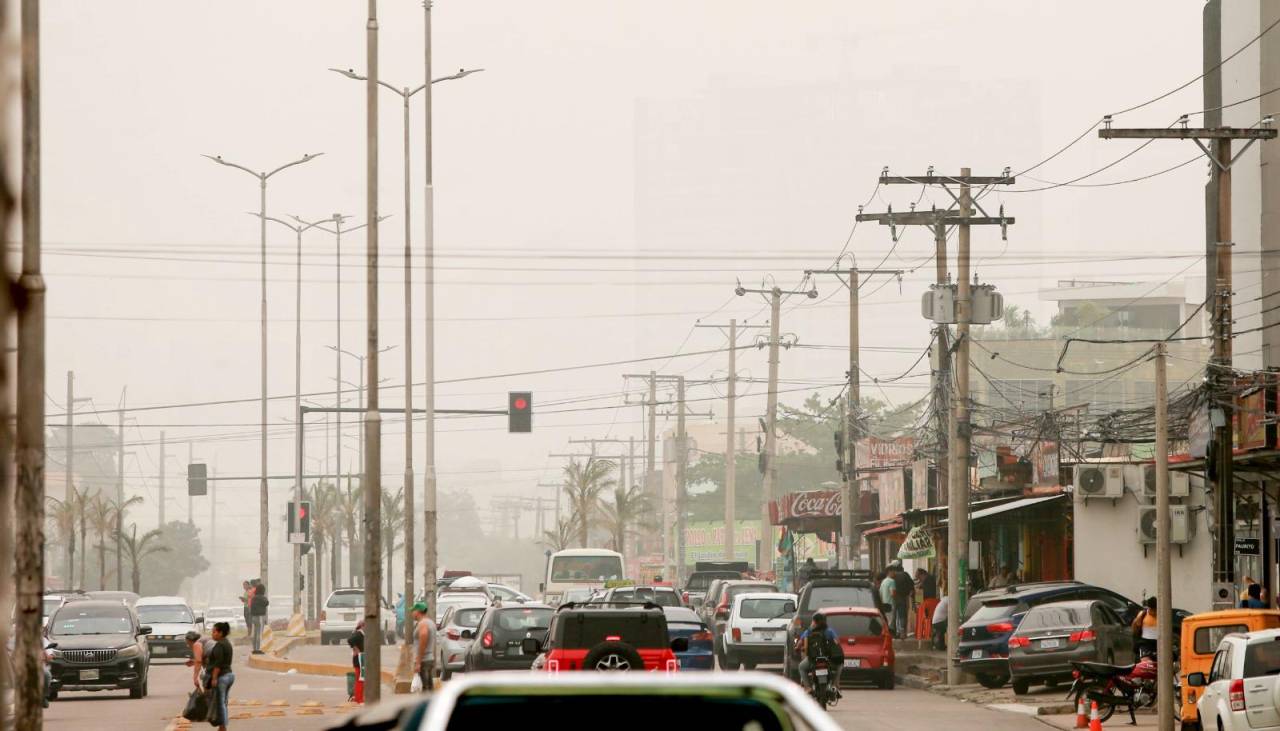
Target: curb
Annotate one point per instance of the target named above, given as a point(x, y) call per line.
point(284, 665)
point(1049, 709)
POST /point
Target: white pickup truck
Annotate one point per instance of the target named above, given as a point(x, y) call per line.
point(1242, 690)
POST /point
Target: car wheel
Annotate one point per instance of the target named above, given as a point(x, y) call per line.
point(613, 657)
point(1021, 686)
point(887, 681)
point(992, 681)
point(749, 665)
point(136, 691)
point(53, 696)
point(446, 674)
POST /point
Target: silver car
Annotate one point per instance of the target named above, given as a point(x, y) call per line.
point(457, 632)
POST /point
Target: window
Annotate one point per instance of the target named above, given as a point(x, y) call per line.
point(166, 614)
point(586, 568)
point(1262, 658)
point(838, 596)
point(638, 631)
point(523, 620)
point(92, 621)
point(764, 608)
point(1215, 672)
point(1054, 616)
point(469, 617)
point(1207, 639)
point(994, 611)
point(346, 600)
point(855, 625)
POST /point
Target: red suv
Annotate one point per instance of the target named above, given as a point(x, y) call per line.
point(866, 641)
point(587, 637)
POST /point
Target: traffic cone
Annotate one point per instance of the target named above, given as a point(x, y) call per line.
point(1082, 720)
point(1095, 723)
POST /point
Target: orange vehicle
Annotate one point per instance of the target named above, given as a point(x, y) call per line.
point(1201, 634)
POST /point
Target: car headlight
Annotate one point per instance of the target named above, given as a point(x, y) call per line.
point(130, 651)
point(54, 654)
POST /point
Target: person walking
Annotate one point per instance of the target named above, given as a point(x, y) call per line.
point(886, 597)
point(218, 671)
point(258, 613)
point(928, 586)
point(424, 646)
point(903, 588)
point(200, 649)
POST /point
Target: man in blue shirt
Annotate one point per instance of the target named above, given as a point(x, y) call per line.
point(820, 641)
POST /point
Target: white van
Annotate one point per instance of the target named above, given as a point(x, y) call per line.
point(170, 619)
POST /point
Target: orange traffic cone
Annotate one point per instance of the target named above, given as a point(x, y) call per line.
point(1082, 720)
point(1095, 723)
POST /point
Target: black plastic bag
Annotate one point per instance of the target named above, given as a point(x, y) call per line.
point(197, 706)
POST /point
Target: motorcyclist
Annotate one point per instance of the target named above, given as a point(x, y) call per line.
point(820, 641)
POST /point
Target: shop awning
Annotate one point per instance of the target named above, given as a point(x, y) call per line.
point(894, 527)
point(1009, 507)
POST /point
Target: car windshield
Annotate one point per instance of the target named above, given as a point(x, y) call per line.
point(586, 568)
point(700, 581)
point(468, 617)
point(1262, 658)
point(50, 605)
point(165, 614)
point(1055, 616)
point(523, 620)
point(502, 592)
point(855, 625)
point(73, 620)
point(577, 595)
point(644, 594)
point(839, 596)
point(223, 612)
point(644, 631)
point(764, 608)
point(346, 600)
point(992, 611)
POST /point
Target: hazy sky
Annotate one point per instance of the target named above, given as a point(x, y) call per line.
point(600, 186)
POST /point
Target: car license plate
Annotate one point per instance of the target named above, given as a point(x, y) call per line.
point(766, 636)
point(976, 655)
point(515, 651)
point(88, 674)
point(853, 663)
point(349, 617)
point(820, 672)
point(159, 650)
point(1050, 644)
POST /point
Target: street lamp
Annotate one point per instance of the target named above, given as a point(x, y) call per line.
point(263, 525)
point(298, 230)
point(405, 94)
point(359, 386)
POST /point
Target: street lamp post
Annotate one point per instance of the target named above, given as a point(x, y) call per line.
point(405, 94)
point(263, 523)
point(297, 229)
point(358, 385)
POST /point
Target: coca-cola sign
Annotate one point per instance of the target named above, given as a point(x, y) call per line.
point(806, 505)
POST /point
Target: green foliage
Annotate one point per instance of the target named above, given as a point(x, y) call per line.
point(171, 557)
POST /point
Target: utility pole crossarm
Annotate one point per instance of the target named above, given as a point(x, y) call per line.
point(947, 180)
point(933, 218)
point(1189, 133)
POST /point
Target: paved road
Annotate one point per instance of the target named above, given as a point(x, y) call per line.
point(256, 698)
point(904, 709)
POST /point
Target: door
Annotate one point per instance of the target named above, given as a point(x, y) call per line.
point(1120, 637)
point(1215, 694)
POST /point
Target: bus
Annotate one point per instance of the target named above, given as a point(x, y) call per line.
point(574, 573)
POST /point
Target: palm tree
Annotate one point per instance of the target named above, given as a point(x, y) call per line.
point(103, 517)
point(81, 499)
point(392, 524)
point(559, 538)
point(136, 549)
point(624, 514)
point(583, 484)
point(349, 509)
point(325, 529)
point(63, 515)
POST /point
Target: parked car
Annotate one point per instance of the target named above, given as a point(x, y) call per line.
point(864, 636)
point(1201, 635)
point(719, 615)
point(343, 610)
point(126, 597)
point(1240, 692)
point(456, 633)
point(825, 589)
point(460, 599)
point(232, 615)
point(101, 645)
point(756, 629)
point(500, 636)
point(684, 622)
point(507, 594)
point(663, 596)
point(1051, 636)
point(170, 619)
point(984, 637)
point(595, 638)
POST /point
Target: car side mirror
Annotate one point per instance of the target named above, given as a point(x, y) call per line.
point(144, 629)
point(467, 634)
point(789, 608)
point(530, 646)
point(1196, 680)
point(199, 620)
point(680, 644)
point(52, 646)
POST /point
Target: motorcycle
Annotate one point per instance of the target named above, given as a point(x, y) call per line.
point(820, 682)
point(1111, 686)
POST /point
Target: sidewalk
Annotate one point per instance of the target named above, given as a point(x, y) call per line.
point(926, 669)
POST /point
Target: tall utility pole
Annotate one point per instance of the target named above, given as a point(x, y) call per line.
point(120, 488)
point(70, 437)
point(1221, 274)
point(1164, 578)
point(372, 419)
point(764, 556)
point(961, 216)
point(850, 426)
point(430, 532)
point(29, 445)
point(682, 457)
point(163, 456)
point(190, 503)
point(730, 447)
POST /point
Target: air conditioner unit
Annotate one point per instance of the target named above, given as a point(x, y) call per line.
point(1179, 482)
point(1101, 480)
point(1180, 527)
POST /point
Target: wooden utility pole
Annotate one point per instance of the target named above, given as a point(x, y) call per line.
point(30, 443)
point(120, 489)
point(1220, 378)
point(1164, 578)
point(682, 457)
point(850, 425)
point(958, 486)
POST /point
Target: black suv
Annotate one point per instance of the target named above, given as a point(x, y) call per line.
point(498, 640)
point(588, 636)
point(100, 646)
point(984, 635)
point(830, 588)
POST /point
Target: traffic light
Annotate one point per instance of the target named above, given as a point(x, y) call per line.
point(519, 412)
point(197, 476)
point(300, 522)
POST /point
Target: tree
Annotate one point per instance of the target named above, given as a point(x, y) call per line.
point(183, 559)
point(624, 514)
point(350, 508)
point(103, 519)
point(136, 549)
point(392, 523)
point(560, 537)
point(583, 483)
point(326, 530)
point(63, 515)
point(80, 499)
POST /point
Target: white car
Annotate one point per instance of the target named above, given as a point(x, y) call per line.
point(170, 619)
point(457, 632)
point(756, 631)
point(232, 615)
point(507, 594)
point(1240, 692)
point(459, 599)
point(344, 609)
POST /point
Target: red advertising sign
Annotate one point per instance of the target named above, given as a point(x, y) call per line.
point(1251, 420)
point(1044, 464)
point(883, 453)
point(805, 506)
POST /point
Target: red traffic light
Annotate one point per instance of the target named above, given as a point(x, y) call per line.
point(520, 404)
point(302, 511)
